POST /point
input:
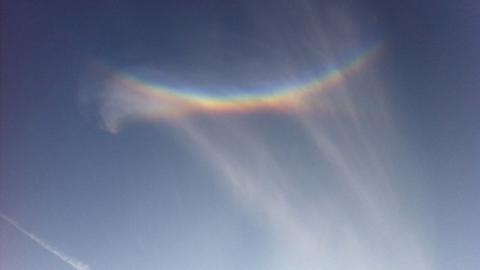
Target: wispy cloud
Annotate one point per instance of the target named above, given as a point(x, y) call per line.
point(350, 221)
point(339, 202)
point(74, 263)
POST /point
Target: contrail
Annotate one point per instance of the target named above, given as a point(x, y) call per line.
point(74, 263)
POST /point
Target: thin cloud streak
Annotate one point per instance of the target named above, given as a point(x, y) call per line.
point(74, 263)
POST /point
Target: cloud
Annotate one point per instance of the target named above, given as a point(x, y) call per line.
point(336, 202)
point(74, 263)
point(348, 217)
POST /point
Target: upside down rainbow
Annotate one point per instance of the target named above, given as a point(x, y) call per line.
point(160, 102)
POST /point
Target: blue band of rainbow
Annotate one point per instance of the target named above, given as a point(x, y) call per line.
point(160, 102)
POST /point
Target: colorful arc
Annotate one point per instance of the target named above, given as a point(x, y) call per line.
point(164, 102)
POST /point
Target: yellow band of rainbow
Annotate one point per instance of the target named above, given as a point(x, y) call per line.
point(164, 102)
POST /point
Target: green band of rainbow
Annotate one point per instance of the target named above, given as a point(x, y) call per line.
point(165, 102)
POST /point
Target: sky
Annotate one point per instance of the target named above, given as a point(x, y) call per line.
point(263, 135)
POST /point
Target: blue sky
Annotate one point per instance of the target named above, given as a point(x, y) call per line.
point(381, 173)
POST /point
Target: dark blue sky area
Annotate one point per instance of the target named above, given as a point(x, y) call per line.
point(61, 173)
